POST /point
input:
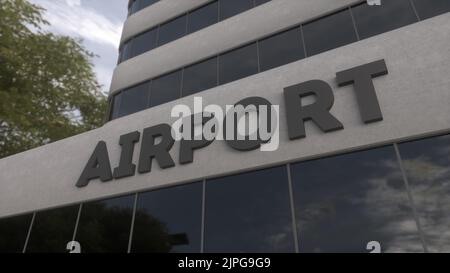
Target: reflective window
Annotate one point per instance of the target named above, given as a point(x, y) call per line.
point(373, 20)
point(230, 8)
point(342, 203)
point(165, 89)
point(125, 52)
point(249, 212)
point(143, 42)
point(427, 164)
point(329, 32)
point(104, 226)
point(281, 49)
point(52, 230)
point(137, 5)
point(172, 30)
point(116, 106)
point(430, 8)
point(13, 233)
point(238, 64)
point(134, 7)
point(169, 220)
point(200, 77)
point(146, 3)
point(260, 2)
point(203, 17)
point(134, 99)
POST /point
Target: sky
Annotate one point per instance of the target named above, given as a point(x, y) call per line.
point(97, 22)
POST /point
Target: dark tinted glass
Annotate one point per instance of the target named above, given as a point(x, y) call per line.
point(146, 3)
point(238, 64)
point(165, 89)
point(169, 220)
point(328, 33)
point(13, 233)
point(203, 17)
point(52, 230)
point(260, 2)
point(116, 106)
point(230, 8)
point(105, 225)
point(430, 8)
point(373, 20)
point(249, 213)
point(427, 164)
point(200, 77)
point(125, 52)
point(135, 6)
point(280, 49)
point(342, 203)
point(134, 99)
point(144, 42)
point(172, 30)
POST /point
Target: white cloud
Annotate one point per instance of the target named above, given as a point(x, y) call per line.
point(69, 17)
point(101, 34)
point(73, 3)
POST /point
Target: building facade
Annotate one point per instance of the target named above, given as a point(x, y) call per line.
point(360, 161)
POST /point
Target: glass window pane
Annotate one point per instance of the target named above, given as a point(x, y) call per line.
point(52, 230)
point(144, 42)
point(430, 8)
point(238, 64)
point(203, 17)
point(116, 106)
point(169, 220)
point(427, 164)
point(104, 226)
point(229, 8)
point(249, 213)
point(134, 99)
point(373, 20)
point(125, 52)
point(172, 30)
point(13, 233)
point(135, 6)
point(328, 33)
point(260, 2)
point(165, 89)
point(281, 49)
point(146, 3)
point(342, 203)
point(200, 77)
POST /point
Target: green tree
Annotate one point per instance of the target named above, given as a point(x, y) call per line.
point(48, 90)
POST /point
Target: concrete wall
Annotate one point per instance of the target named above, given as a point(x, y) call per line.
point(261, 21)
point(414, 99)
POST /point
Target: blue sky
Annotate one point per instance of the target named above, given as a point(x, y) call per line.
point(98, 22)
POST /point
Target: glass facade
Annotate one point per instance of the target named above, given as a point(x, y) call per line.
point(169, 220)
point(249, 213)
point(13, 233)
point(187, 23)
point(326, 33)
point(136, 5)
point(104, 226)
point(427, 165)
point(334, 204)
point(396, 195)
point(52, 230)
point(373, 20)
point(342, 203)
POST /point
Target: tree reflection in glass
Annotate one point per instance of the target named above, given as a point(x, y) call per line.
point(427, 164)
